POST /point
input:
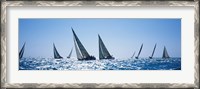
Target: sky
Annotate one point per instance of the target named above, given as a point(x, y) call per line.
point(121, 36)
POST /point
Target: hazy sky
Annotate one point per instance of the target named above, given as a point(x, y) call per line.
point(122, 37)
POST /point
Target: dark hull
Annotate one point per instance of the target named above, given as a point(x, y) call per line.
point(107, 58)
point(136, 57)
point(59, 58)
point(88, 58)
point(165, 57)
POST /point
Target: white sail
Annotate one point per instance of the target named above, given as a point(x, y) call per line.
point(78, 52)
point(133, 55)
point(81, 52)
point(153, 51)
point(139, 52)
point(21, 53)
point(103, 52)
point(56, 54)
point(165, 54)
point(70, 53)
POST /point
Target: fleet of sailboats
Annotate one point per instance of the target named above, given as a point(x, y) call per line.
point(82, 53)
point(103, 52)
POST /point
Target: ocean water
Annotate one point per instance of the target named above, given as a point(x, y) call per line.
point(112, 64)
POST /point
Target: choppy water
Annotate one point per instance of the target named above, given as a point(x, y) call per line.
point(115, 64)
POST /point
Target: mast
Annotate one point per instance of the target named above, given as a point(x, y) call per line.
point(81, 52)
point(139, 52)
point(70, 53)
point(165, 54)
point(103, 52)
point(21, 53)
point(153, 52)
point(56, 54)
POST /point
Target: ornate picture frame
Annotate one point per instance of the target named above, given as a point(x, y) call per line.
point(6, 4)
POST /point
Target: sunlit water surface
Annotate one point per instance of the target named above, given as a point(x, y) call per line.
point(114, 64)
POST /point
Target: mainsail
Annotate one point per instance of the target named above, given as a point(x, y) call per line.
point(103, 52)
point(70, 53)
point(56, 54)
point(22, 51)
point(165, 54)
point(153, 52)
point(139, 52)
point(133, 55)
point(81, 52)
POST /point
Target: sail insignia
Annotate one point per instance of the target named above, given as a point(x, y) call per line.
point(81, 52)
point(139, 52)
point(153, 52)
point(165, 54)
point(56, 54)
point(103, 52)
point(21, 53)
point(69, 56)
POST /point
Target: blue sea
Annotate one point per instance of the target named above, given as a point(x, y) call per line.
point(106, 64)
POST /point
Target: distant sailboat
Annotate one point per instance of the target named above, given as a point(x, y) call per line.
point(165, 54)
point(139, 52)
point(103, 52)
point(153, 52)
point(133, 55)
point(22, 51)
point(56, 54)
point(70, 53)
point(81, 52)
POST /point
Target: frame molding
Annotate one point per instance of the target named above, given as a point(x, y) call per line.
point(5, 4)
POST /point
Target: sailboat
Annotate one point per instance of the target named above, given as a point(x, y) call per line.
point(22, 51)
point(165, 54)
point(133, 55)
point(152, 52)
point(139, 52)
point(70, 53)
point(56, 54)
point(103, 52)
point(81, 52)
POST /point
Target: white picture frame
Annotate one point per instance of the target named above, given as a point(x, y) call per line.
point(89, 4)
